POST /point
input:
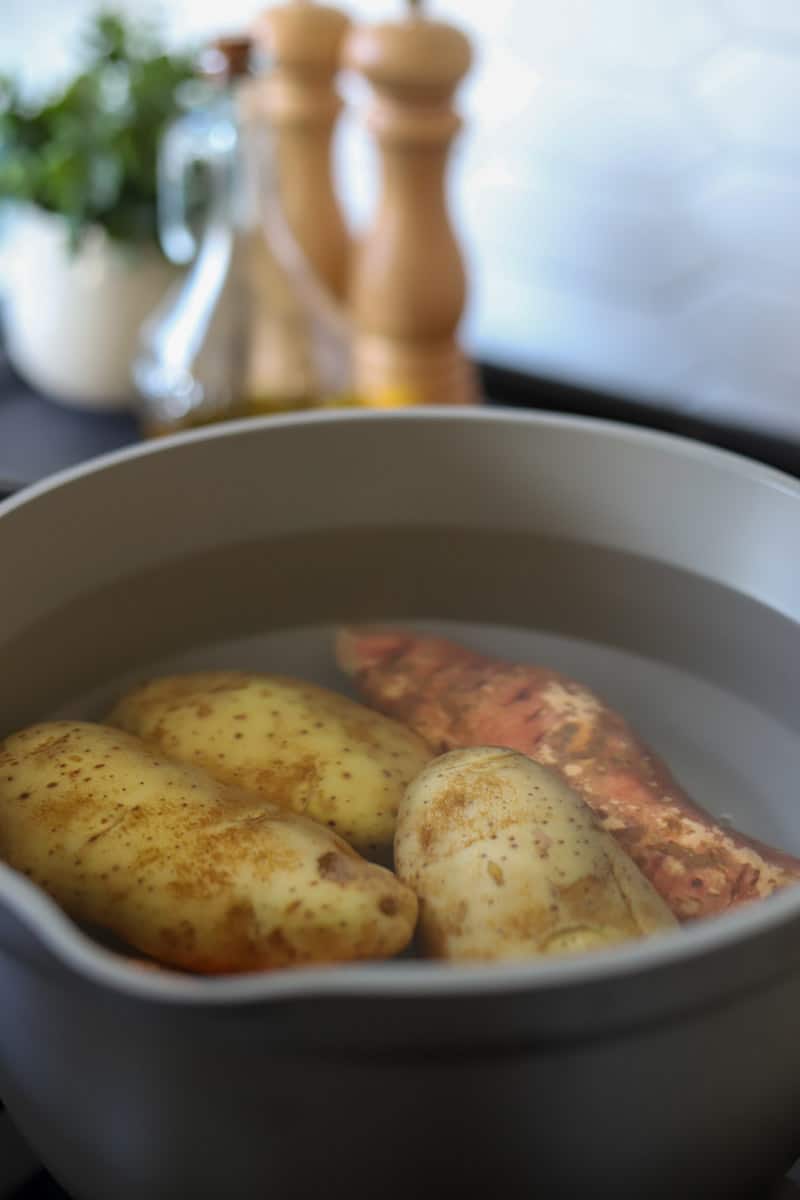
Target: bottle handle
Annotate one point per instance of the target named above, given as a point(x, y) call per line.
point(197, 141)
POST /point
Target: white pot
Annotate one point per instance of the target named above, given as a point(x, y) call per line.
point(72, 318)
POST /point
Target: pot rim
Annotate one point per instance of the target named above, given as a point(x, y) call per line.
point(77, 951)
point(728, 460)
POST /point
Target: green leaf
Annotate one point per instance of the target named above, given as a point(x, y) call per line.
point(89, 152)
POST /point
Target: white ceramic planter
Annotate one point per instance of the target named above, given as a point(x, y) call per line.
point(72, 319)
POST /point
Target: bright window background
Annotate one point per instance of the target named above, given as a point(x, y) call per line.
point(628, 187)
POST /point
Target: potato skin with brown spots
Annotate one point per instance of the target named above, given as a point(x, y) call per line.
point(509, 863)
point(192, 872)
point(298, 745)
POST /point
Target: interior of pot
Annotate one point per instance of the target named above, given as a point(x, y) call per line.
point(728, 732)
point(620, 559)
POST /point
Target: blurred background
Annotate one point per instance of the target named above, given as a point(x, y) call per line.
point(627, 188)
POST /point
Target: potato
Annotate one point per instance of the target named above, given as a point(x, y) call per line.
point(508, 862)
point(189, 871)
point(296, 744)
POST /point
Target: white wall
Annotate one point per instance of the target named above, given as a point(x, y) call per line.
point(628, 188)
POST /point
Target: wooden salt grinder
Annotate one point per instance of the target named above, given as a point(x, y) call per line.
point(300, 103)
point(408, 286)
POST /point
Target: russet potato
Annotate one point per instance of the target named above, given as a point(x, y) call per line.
point(193, 872)
point(508, 862)
point(294, 743)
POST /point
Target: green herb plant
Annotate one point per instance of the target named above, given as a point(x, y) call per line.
point(90, 152)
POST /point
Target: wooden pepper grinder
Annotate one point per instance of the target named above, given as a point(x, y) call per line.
point(408, 288)
point(300, 103)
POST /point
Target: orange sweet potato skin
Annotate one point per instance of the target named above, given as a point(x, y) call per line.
point(454, 697)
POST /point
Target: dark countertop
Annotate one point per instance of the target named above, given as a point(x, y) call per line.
point(528, 391)
point(38, 436)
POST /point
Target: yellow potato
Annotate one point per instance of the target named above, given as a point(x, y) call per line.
point(507, 862)
point(296, 744)
point(195, 873)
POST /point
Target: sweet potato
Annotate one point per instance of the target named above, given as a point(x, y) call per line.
point(455, 697)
